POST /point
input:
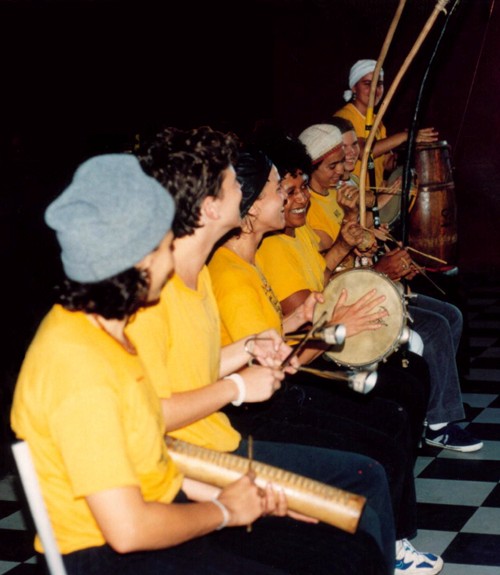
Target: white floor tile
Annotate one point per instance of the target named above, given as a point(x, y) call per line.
point(433, 541)
point(14, 521)
point(453, 492)
point(488, 415)
point(454, 569)
point(489, 452)
point(484, 520)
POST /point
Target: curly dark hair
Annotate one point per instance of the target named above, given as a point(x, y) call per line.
point(189, 164)
point(117, 297)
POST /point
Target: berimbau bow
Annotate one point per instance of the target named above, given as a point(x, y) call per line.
point(371, 106)
point(439, 7)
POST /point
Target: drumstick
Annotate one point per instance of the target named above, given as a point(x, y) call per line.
point(250, 460)
point(326, 503)
point(410, 249)
point(388, 236)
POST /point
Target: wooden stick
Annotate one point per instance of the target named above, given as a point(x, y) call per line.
point(329, 504)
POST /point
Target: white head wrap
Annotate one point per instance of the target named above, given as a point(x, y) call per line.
point(321, 140)
point(358, 70)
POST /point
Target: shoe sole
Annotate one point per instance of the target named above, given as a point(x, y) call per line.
point(464, 449)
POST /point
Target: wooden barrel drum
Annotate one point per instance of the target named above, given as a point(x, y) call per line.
point(432, 226)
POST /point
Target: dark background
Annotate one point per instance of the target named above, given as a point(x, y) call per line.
point(80, 78)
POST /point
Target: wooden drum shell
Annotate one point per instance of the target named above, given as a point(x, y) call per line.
point(432, 225)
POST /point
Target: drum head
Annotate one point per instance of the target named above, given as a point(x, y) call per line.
point(369, 347)
point(389, 212)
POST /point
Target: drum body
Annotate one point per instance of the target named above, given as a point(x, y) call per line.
point(432, 226)
point(366, 349)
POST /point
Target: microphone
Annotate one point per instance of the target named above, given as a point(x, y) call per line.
point(330, 334)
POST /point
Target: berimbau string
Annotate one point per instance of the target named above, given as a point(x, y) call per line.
point(250, 461)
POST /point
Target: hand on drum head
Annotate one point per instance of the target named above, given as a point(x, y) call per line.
point(364, 314)
point(396, 264)
point(427, 135)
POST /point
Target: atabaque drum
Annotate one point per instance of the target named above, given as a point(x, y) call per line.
point(432, 227)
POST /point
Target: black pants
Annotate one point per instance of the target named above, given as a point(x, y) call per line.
point(385, 425)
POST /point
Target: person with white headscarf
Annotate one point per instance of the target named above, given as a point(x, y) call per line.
point(357, 98)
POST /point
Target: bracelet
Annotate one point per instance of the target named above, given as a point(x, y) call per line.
point(246, 347)
point(242, 388)
point(225, 513)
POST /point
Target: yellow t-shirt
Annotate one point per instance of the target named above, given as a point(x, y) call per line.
point(292, 264)
point(92, 421)
point(246, 302)
point(324, 213)
point(351, 113)
point(184, 327)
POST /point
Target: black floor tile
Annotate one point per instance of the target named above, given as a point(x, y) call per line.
point(493, 499)
point(486, 431)
point(443, 517)
point(27, 569)
point(462, 469)
point(474, 549)
point(15, 545)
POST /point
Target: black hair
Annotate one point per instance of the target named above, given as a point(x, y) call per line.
point(287, 153)
point(342, 124)
point(189, 164)
point(117, 297)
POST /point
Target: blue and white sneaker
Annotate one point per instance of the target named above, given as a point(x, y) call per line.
point(409, 561)
point(453, 437)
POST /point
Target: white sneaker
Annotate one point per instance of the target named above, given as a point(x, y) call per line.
point(409, 561)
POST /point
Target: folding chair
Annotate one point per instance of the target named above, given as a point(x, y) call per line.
point(29, 480)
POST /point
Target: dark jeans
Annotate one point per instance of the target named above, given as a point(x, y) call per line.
point(314, 411)
point(350, 471)
point(276, 546)
point(440, 324)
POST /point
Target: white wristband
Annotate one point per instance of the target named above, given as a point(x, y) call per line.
point(225, 513)
point(242, 388)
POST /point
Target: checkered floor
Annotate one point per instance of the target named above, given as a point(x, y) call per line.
point(458, 494)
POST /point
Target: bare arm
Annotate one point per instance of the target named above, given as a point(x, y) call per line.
point(386, 145)
point(181, 409)
point(129, 523)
